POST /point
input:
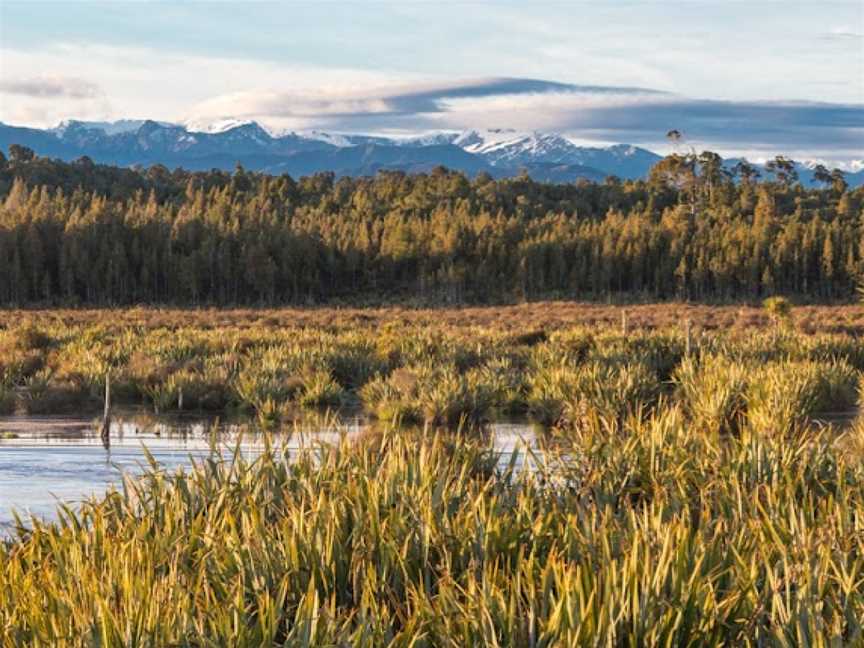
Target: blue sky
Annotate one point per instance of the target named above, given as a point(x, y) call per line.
point(362, 66)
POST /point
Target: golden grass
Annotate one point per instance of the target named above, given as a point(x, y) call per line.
point(689, 498)
point(655, 535)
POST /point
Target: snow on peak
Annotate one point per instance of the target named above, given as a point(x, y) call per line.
point(627, 150)
point(850, 166)
point(504, 146)
point(250, 130)
point(812, 164)
point(334, 139)
point(214, 127)
point(107, 127)
point(477, 141)
point(344, 140)
point(435, 138)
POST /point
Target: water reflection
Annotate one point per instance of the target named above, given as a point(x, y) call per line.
point(46, 460)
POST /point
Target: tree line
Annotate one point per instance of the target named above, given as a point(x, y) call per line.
point(83, 233)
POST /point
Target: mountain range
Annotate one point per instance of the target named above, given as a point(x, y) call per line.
point(549, 157)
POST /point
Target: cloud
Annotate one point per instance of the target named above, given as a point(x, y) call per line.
point(51, 88)
point(144, 83)
point(393, 101)
point(601, 113)
point(434, 98)
point(843, 33)
point(646, 119)
point(173, 87)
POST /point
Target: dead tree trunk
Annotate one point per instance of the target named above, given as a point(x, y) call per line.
point(687, 333)
point(105, 430)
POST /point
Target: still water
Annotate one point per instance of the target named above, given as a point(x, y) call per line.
point(47, 460)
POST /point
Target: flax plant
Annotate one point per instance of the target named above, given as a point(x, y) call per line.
point(658, 534)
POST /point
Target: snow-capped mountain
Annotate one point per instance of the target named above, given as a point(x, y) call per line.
point(505, 148)
point(214, 127)
point(109, 128)
point(203, 145)
point(518, 148)
point(341, 140)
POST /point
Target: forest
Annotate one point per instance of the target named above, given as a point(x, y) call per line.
point(85, 234)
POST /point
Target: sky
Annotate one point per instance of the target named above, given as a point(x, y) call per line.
point(740, 77)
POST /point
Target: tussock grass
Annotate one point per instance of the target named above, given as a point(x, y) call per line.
point(530, 318)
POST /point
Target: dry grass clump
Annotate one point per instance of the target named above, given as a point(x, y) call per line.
point(19, 359)
point(437, 394)
point(394, 398)
point(784, 397)
point(574, 397)
point(724, 394)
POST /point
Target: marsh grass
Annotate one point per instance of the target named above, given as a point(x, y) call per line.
point(714, 392)
point(437, 394)
point(565, 377)
point(784, 397)
point(320, 389)
point(724, 393)
point(655, 535)
point(687, 500)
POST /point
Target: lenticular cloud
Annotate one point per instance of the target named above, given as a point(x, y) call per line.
point(608, 113)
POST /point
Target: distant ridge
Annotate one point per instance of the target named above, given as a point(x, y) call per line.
point(198, 145)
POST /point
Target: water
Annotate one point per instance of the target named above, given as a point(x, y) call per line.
point(57, 459)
